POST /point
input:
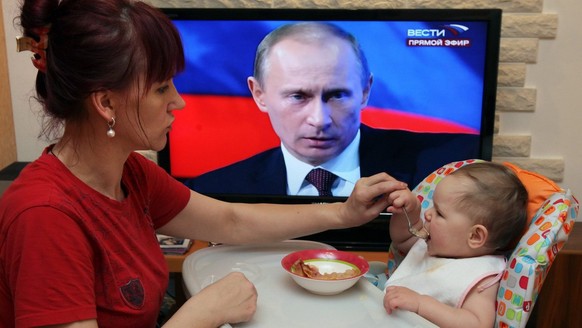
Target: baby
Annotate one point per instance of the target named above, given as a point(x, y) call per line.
point(452, 277)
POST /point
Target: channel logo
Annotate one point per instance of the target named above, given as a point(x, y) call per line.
point(456, 29)
point(444, 36)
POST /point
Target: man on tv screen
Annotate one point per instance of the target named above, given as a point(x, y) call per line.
point(313, 81)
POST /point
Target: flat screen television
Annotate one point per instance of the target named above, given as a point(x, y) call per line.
point(435, 71)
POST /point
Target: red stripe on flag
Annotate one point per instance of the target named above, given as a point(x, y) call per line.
point(398, 120)
point(210, 133)
point(198, 144)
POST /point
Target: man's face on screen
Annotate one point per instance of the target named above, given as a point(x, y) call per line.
point(313, 94)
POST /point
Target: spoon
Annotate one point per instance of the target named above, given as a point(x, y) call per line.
point(422, 233)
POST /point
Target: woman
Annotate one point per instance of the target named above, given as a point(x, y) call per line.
point(77, 228)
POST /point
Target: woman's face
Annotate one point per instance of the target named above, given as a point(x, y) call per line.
point(150, 115)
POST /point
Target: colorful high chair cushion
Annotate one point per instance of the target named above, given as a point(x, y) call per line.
point(530, 262)
point(551, 211)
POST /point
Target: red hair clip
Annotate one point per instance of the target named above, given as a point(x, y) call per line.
point(24, 43)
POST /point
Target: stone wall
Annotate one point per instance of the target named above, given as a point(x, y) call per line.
point(523, 25)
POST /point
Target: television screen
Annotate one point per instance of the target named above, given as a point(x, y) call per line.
point(434, 74)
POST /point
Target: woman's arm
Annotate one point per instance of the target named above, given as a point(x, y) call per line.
point(92, 323)
point(232, 299)
point(208, 219)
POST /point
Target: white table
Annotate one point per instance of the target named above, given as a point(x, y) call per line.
point(281, 302)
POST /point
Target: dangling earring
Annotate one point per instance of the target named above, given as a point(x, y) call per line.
point(110, 131)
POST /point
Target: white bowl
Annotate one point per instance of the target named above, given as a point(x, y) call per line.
point(326, 261)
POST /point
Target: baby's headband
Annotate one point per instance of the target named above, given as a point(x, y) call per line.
point(24, 43)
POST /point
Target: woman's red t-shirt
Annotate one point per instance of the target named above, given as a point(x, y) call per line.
point(69, 253)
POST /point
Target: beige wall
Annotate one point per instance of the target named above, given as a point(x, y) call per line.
point(7, 137)
point(539, 78)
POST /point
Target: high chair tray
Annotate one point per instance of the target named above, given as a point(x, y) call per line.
point(281, 302)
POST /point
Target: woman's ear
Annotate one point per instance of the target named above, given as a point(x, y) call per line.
point(101, 101)
point(478, 236)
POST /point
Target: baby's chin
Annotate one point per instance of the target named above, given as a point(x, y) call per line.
point(436, 253)
point(444, 255)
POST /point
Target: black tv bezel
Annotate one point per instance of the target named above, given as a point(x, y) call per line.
point(379, 226)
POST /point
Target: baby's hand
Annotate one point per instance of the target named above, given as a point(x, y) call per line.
point(397, 297)
point(402, 198)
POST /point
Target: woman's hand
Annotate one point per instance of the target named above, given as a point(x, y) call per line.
point(370, 196)
point(231, 299)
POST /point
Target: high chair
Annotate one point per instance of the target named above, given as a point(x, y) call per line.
point(551, 215)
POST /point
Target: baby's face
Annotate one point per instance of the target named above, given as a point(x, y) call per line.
point(449, 228)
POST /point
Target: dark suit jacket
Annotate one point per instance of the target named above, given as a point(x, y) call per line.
point(407, 156)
